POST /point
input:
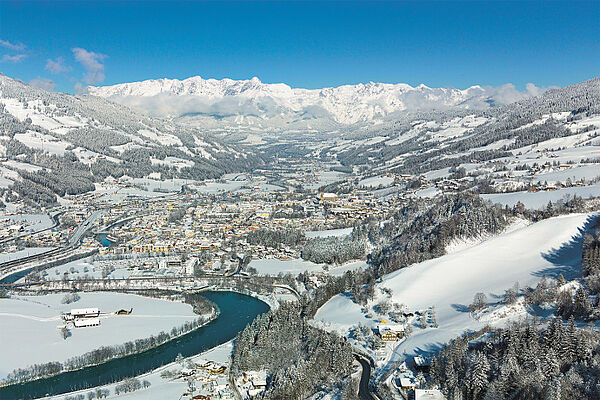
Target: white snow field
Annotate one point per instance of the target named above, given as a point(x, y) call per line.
point(538, 200)
point(31, 322)
point(26, 252)
point(449, 283)
point(275, 266)
point(328, 233)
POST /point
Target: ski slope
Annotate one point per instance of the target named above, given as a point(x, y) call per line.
point(449, 283)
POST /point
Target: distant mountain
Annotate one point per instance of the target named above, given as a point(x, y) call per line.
point(251, 103)
point(58, 143)
point(559, 119)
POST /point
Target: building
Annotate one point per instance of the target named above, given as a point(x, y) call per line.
point(85, 322)
point(78, 313)
point(422, 364)
point(390, 332)
point(407, 383)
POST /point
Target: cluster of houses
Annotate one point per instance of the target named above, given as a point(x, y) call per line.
point(207, 380)
point(405, 381)
point(252, 383)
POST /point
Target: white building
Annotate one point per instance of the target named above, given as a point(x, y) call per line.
point(85, 322)
point(85, 312)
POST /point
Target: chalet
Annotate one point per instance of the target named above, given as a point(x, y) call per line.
point(389, 336)
point(390, 332)
point(258, 379)
point(407, 383)
point(422, 364)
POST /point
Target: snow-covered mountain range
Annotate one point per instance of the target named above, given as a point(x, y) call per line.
point(252, 101)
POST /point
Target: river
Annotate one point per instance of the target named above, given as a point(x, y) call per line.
point(236, 311)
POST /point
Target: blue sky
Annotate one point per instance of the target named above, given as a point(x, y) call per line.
point(304, 44)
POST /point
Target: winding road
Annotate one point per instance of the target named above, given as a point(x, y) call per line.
point(363, 388)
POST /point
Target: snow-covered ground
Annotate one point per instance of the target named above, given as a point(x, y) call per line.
point(459, 244)
point(328, 233)
point(275, 266)
point(449, 283)
point(377, 181)
point(537, 200)
point(349, 266)
point(30, 222)
point(31, 322)
point(28, 251)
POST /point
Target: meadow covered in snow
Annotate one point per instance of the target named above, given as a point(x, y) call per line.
point(32, 322)
point(523, 254)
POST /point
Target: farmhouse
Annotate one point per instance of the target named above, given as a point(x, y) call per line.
point(390, 332)
point(78, 313)
point(85, 322)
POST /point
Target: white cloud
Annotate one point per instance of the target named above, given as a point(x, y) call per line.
point(57, 66)
point(508, 93)
point(43, 83)
point(12, 46)
point(92, 62)
point(13, 59)
point(80, 89)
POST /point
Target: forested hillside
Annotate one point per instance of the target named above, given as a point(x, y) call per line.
point(62, 144)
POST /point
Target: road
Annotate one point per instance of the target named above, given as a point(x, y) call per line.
point(363, 388)
point(84, 227)
point(13, 266)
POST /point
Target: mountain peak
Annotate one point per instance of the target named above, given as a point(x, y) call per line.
point(347, 104)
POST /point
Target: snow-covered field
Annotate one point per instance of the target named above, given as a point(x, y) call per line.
point(449, 283)
point(349, 266)
point(537, 200)
point(376, 181)
point(275, 266)
point(31, 222)
point(31, 322)
point(328, 233)
point(28, 251)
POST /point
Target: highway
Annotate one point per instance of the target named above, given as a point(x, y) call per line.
point(12, 266)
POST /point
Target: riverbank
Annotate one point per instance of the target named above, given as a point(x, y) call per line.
point(33, 320)
point(236, 312)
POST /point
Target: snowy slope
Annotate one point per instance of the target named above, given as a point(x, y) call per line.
point(449, 283)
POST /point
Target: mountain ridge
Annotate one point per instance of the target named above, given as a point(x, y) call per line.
point(345, 105)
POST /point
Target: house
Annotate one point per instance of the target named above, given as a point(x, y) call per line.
point(390, 332)
point(407, 383)
point(422, 364)
point(389, 336)
point(257, 378)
